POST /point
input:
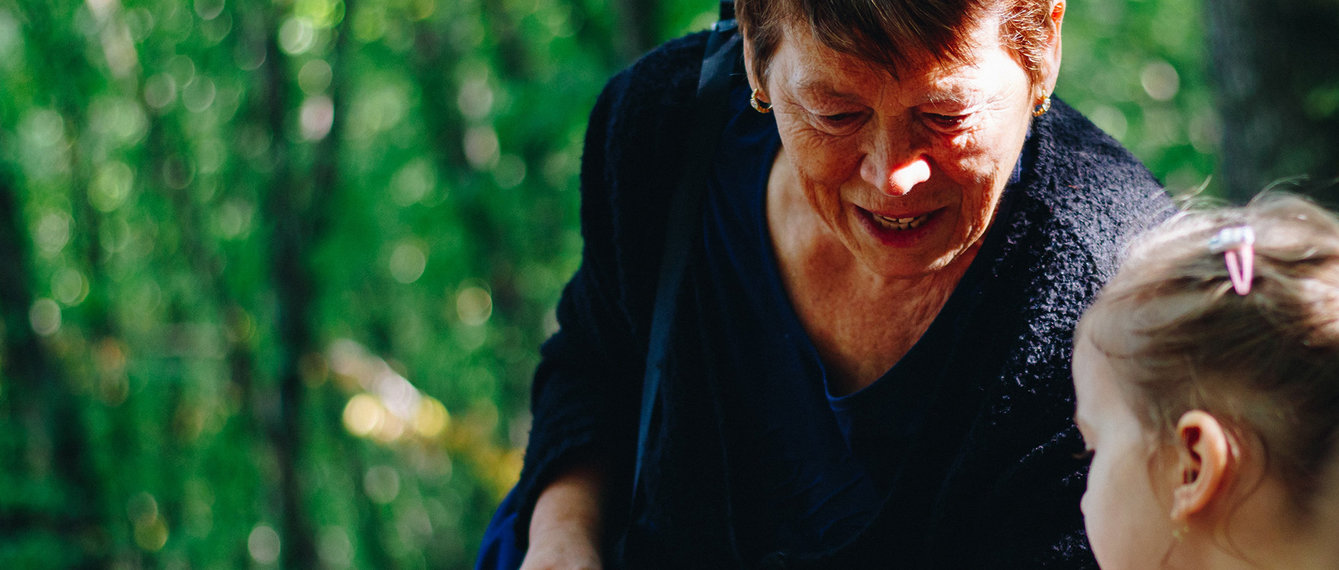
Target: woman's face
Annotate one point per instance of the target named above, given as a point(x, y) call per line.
point(1127, 523)
point(907, 172)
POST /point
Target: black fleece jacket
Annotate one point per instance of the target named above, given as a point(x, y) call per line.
point(992, 482)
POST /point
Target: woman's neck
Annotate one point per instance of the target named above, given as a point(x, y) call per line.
point(861, 322)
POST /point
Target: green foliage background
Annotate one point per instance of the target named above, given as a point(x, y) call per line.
point(273, 273)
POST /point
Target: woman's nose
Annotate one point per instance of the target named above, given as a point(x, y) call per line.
point(902, 178)
point(897, 178)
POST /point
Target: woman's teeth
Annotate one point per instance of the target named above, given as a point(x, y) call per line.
point(900, 223)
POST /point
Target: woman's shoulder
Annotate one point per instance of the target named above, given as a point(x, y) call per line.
point(664, 77)
point(635, 149)
point(1079, 159)
point(1095, 193)
point(642, 119)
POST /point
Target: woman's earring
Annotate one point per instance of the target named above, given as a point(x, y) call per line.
point(760, 106)
point(1042, 107)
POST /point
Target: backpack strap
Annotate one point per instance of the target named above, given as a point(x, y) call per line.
point(718, 65)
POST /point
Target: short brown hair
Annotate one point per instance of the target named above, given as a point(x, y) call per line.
point(1266, 363)
point(888, 32)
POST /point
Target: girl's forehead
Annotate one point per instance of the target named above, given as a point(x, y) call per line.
point(1095, 376)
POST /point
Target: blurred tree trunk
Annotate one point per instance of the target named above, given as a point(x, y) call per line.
point(51, 443)
point(84, 487)
point(1276, 65)
point(286, 208)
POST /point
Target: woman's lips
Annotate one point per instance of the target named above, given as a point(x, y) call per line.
point(898, 230)
point(902, 223)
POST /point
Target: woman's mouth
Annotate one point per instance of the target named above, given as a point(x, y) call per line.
point(900, 230)
point(901, 224)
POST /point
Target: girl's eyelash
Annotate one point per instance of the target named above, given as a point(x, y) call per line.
point(1086, 455)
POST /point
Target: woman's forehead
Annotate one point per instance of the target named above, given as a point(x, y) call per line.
point(811, 68)
point(909, 56)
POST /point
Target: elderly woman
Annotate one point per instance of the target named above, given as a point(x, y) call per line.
point(868, 364)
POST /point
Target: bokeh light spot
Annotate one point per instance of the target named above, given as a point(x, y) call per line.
point(296, 36)
point(110, 186)
point(52, 232)
point(11, 40)
point(318, 115)
point(474, 305)
point(160, 91)
point(431, 419)
point(481, 147)
point(263, 544)
point(413, 182)
point(1111, 120)
point(363, 415)
point(334, 547)
point(141, 508)
point(43, 128)
point(315, 76)
point(1160, 80)
point(369, 23)
point(120, 119)
point(208, 9)
point(151, 536)
point(234, 218)
point(69, 286)
point(382, 484)
point(509, 171)
point(44, 316)
point(322, 13)
point(198, 95)
point(408, 261)
point(475, 99)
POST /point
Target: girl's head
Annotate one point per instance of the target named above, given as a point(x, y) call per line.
point(1196, 398)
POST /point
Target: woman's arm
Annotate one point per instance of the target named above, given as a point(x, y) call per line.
point(588, 383)
point(566, 527)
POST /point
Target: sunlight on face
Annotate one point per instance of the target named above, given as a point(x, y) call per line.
point(907, 172)
point(1127, 523)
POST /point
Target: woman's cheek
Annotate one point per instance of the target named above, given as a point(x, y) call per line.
point(829, 160)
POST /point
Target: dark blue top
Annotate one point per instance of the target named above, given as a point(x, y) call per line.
point(813, 466)
point(803, 481)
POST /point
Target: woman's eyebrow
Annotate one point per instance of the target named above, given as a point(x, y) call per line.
point(821, 87)
point(952, 94)
point(954, 98)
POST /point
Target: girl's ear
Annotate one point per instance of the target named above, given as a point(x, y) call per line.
point(1203, 459)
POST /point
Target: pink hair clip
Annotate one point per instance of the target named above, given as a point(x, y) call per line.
point(1237, 244)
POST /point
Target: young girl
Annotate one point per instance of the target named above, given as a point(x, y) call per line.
point(1207, 377)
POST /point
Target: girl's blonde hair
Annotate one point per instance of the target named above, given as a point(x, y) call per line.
point(1266, 363)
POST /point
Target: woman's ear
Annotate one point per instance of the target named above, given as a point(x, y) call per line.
point(1203, 459)
point(1051, 56)
point(754, 82)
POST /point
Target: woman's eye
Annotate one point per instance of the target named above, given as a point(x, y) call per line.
point(946, 122)
point(1087, 455)
point(838, 120)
